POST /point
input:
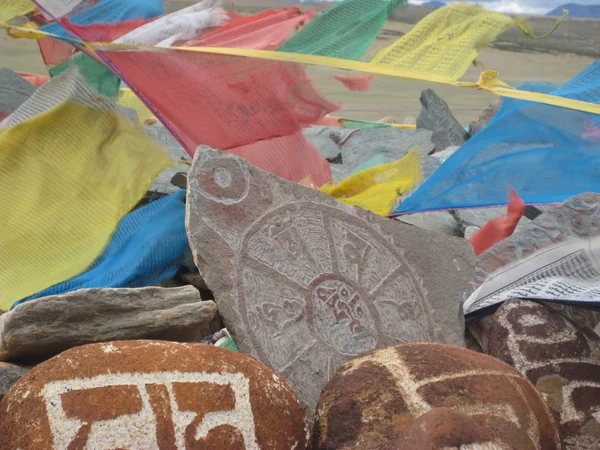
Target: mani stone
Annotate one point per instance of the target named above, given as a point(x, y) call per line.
point(152, 395)
point(382, 400)
point(447, 429)
point(560, 359)
point(437, 117)
point(304, 283)
point(41, 328)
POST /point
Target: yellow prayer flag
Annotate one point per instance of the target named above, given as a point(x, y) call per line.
point(129, 100)
point(377, 188)
point(67, 177)
point(447, 41)
point(14, 8)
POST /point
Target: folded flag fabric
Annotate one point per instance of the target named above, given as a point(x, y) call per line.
point(345, 30)
point(377, 188)
point(71, 166)
point(147, 248)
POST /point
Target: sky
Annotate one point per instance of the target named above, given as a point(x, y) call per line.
point(540, 7)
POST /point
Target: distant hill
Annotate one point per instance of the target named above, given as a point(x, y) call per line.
point(434, 4)
point(575, 10)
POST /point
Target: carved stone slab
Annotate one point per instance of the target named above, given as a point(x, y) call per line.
point(398, 398)
point(561, 360)
point(152, 395)
point(304, 282)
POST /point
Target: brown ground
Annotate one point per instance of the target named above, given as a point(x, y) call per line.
point(575, 45)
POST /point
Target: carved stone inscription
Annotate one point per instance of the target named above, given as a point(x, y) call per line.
point(304, 282)
point(159, 409)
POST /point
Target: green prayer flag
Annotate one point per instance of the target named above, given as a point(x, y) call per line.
point(345, 30)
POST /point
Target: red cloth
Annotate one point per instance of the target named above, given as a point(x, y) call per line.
point(55, 52)
point(290, 157)
point(251, 107)
point(36, 80)
point(358, 83)
point(499, 227)
point(264, 31)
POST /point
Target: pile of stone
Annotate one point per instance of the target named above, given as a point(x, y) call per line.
point(350, 329)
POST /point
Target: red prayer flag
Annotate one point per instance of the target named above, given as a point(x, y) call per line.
point(499, 228)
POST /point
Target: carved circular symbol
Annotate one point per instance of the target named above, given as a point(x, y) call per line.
point(341, 316)
point(222, 180)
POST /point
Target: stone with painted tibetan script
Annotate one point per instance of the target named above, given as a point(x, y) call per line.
point(152, 395)
point(305, 283)
point(560, 359)
point(397, 396)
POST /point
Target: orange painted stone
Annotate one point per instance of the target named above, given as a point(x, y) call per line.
point(146, 395)
point(381, 400)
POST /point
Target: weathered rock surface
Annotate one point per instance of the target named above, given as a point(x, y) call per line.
point(326, 139)
point(446, 428)
point(437, 117)
point(304, 282)
point(152, 395)
point(41, 328)
point(378, 400)
point(9, 374)
point(561, 360)
point(485, 117)
point(391, 143)
point(14, 91)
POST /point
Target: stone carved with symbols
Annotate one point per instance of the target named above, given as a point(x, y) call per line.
point(146, 395)
point(304, 282)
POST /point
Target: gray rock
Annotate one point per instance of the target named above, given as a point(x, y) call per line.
point(470, 231)
point(9, 374)
point(390, 143)
point(437, 117)
point(438, 221)
point(485, 117)
point(41, 328)
point(445, 154)
point(304, 282)
point(326, 139)
point(14, 90)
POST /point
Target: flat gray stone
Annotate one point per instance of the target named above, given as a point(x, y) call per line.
point(14, 91)
point(437, 117)
point(9, 374)
point(325, 139)
point(305, 283)
point(41, 328)
point(438, 221)
point(390, 143)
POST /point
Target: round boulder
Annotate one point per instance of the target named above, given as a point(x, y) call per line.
point(152, 395)
point(375, 401)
